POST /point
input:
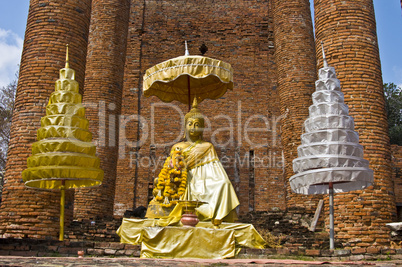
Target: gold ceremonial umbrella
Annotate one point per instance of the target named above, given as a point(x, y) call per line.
point(182, 78)
point(64, 156)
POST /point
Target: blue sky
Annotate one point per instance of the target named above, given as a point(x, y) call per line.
point(13, 17)
point(389, 32)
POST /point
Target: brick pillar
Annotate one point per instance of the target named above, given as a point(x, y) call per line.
point(51, 25)
point(296, 70)
point(348, 30)
point(103, 92)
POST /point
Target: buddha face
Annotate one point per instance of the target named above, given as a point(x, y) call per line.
point(194, 128)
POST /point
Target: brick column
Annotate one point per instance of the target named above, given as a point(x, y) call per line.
point(103, 92)
point(348, 30)
point(296, 70)
point(51, 25)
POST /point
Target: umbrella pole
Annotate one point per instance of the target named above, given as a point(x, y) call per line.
point(331, 215)
point(62, 199)
point(189, 93)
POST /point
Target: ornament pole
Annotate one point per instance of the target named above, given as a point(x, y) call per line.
point(331, 215)
point(62, 201)
point(186, 53)
point(189, 93)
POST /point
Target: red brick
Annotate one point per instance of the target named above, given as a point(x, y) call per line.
point(373, 250)
point(312, 252)
point(359, 250)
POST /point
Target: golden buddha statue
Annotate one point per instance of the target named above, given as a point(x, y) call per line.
point(194, 164)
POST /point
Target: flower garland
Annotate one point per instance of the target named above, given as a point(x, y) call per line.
point(172, 180)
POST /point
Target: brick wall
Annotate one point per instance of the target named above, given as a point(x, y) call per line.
point(51, 25)
point(348, 30)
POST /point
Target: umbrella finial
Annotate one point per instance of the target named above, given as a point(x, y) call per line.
point(67, 64)
point(323, 55)
point(186, 53)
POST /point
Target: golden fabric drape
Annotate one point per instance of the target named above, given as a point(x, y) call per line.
point(202, 241)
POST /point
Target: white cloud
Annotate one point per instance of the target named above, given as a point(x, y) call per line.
point(10, 55)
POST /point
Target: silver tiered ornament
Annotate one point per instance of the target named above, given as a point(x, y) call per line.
point(330, 156)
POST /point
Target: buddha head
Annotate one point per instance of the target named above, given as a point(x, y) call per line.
point(194, 123)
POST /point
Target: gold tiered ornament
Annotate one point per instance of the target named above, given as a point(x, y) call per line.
point(63, 157)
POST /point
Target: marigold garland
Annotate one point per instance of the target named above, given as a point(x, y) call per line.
point(172, 180)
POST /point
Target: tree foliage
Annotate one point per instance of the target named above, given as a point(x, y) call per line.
point(393, 104)
point(7, 97)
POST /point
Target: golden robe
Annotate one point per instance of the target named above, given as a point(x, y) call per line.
point(208, 182)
